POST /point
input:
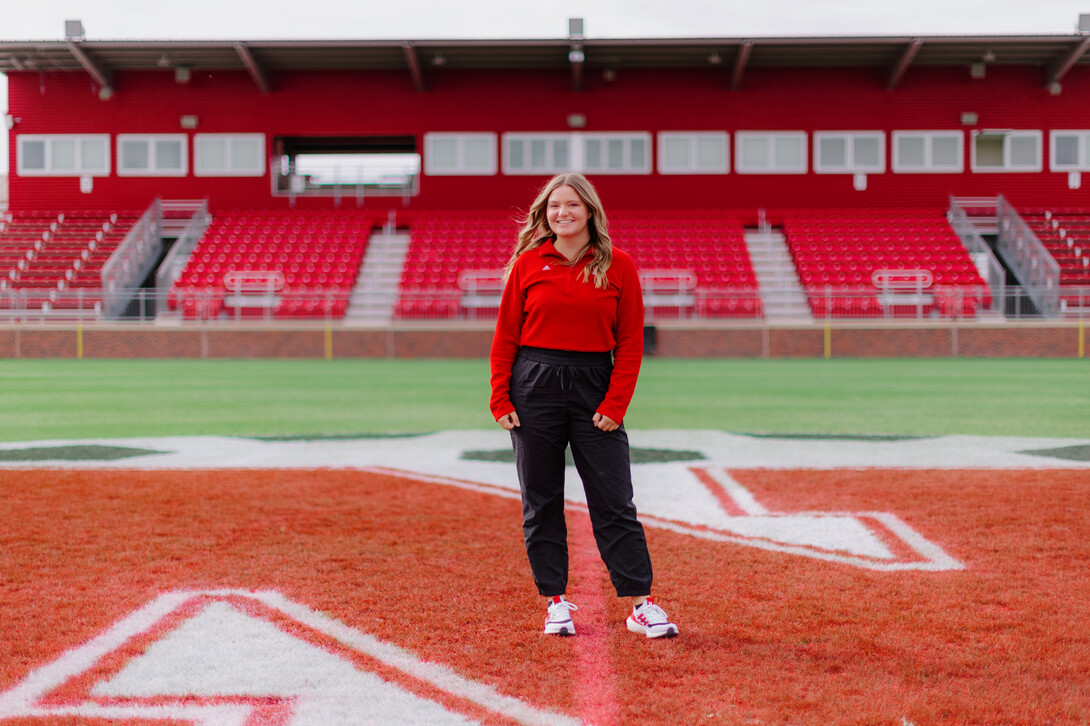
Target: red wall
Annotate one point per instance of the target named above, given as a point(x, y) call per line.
point(384, 103)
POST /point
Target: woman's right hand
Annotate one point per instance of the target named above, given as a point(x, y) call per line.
point(509, 421)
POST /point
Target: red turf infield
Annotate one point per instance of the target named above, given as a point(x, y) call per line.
point(767, 637)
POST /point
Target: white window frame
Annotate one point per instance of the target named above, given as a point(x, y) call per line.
point(1007, 135)
point(1082, 139)
point(80, 169)
point(200, 168)
point(550, 141)
point(693, 139)
point(851, 166)
point(461, 167)
point(153, 167)
point(929, 167)
point(627, 138)
point(774, 138)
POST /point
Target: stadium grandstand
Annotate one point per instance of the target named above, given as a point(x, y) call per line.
point(757, 182)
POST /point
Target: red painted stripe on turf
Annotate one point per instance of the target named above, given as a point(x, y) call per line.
point(595, 692)
point(900, 549)
point(726, 501)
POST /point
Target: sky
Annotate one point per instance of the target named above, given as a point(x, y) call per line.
point(486, 19)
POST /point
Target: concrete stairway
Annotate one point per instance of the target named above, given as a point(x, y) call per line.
point(781, 293)
point(375, 294)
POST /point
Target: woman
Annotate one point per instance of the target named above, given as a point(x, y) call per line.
point(565, 358)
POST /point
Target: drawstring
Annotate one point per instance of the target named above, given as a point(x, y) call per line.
point(567, 375)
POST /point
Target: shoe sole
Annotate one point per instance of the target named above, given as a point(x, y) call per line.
point(637, 628)
point(564, 632)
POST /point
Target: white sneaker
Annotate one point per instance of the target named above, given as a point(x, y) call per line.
point(558, 617)
point(650, 620)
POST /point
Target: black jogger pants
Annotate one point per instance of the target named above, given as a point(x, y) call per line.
point(555, 394)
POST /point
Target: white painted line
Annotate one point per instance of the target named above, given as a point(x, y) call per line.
point(915, 540)
point(931, 565)
point(23, 699)
point(437, 675)
point(741, 496)
point(935, 559)
point(75, 661)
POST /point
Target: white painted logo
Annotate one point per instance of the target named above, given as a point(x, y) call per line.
point(730, 513)
point(872, 540)
point(242, 658)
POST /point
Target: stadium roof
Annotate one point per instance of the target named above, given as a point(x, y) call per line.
point(1055, 55)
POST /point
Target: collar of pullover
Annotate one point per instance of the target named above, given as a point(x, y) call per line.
point(548, 249)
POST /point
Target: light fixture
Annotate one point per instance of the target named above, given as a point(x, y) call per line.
point(988, 57)
point(73, 30)
point(714, 59)
point(164, 61)
point(10, 121)
point(575, 38)
point(439, 60)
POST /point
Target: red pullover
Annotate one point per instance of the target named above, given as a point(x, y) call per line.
point(546, 304)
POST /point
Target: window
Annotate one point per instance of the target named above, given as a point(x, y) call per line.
point(928, 152)
point(699, 152)
point(1070, 151)
point(63, 155)
point(616, 153)
point(760, 152)
point(460, 154)
point(536, 153)
point(229, 154)
point(152, 155)
point(1006, 151)
point(849, 152)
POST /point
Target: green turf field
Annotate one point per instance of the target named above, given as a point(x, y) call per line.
point(46, 399)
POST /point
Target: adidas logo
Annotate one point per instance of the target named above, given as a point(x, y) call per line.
point(546, 267)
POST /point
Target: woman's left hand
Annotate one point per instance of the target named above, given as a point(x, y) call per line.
point(605, 422)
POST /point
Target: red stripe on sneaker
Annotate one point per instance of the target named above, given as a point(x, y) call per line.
point(595, 681)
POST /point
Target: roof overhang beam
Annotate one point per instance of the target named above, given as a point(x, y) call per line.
point(412, 60)
point(1067, 61)
point(257, 73)
point(102, 75)
point(740, 62)
point(897, 73)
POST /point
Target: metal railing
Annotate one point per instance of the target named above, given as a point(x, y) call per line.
point(986, 263)
point(182, 305)
point(175, 261)
point(1028, 259)
point(132, 261)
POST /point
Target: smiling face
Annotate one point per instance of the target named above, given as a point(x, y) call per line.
point(568, 215)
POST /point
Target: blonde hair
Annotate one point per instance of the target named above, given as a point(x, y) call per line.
point(535, 230)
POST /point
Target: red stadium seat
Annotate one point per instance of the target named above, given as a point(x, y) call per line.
point(311, 250)
point(838, 273)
